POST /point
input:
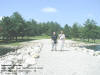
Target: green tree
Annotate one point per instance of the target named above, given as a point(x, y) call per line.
point(90, 29)
point(6, 28)
point(75, 30)
point(18, 25)
point(67, 31)
point(53, 27)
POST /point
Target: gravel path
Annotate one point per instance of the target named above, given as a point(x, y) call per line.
point(69, 62)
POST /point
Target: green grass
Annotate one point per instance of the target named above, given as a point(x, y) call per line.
point(5, 45)
point(86, 41)
point(98, 41)
point(40, 37)
point(25, 39)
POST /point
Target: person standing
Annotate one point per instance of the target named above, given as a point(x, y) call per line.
point(62, 40)
point(54, 41)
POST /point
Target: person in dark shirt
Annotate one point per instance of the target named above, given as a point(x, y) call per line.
point(54, 41)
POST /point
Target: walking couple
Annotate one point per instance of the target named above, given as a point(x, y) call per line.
point(55, 38)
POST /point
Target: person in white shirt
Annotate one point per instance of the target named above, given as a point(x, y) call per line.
point(62, 40)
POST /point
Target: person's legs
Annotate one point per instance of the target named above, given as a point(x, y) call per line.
point(62, 45)
point(53, 46)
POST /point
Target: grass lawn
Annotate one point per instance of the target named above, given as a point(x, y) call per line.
point(86, 41)
point(39, 37)
point(25, 39)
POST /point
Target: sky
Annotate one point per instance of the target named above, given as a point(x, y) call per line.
point(61, 11)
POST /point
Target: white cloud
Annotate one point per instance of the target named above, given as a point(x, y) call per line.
point(49, 10)
point(1, 17)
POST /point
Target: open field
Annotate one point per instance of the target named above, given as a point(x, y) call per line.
point(25, 39)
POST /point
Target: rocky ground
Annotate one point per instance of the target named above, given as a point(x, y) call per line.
point(73, 60)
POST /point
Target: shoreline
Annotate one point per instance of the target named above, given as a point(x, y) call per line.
point(39, 52)
point(68, 44)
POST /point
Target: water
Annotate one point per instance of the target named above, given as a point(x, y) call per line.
point(94, 47)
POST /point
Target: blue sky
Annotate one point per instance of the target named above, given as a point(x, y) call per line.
point(61, 11)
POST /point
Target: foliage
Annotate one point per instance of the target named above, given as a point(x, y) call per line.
point(14, 26)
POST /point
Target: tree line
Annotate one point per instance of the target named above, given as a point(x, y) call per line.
point(89, 30)
point(14, 26)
